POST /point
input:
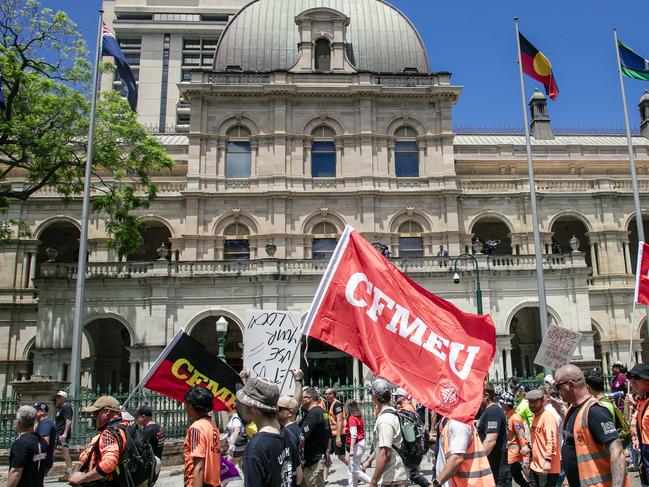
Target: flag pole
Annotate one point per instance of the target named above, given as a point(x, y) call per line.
point(543, 311)
point(634, 178)
point(75, 363)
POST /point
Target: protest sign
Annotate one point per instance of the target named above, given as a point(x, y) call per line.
point(271, 346)
point(557, 347)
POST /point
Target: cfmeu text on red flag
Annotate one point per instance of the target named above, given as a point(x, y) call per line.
point(642, 275)
point(367, 308)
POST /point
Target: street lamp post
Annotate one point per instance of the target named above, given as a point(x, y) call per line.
point(456, 278)
point(221, 330)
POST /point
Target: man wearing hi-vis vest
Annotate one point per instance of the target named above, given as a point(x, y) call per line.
point(461, 461)
point(639, 377)
point(592, 454)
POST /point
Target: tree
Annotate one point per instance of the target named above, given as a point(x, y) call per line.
point(44, 126)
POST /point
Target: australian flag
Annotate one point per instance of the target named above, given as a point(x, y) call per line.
point(110, 47)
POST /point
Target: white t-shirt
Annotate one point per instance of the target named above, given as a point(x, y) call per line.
point(557, 417)
point(459, 439)
point(232, 425)
point(387, 433)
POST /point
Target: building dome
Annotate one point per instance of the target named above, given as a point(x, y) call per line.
point(263, 36)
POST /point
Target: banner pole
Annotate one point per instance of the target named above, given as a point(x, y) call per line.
point(543, 311)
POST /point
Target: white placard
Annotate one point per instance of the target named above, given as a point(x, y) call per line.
point(557, 347)
point(271, 338)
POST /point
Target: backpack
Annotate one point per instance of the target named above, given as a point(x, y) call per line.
point(137, 462)
point(414, 438)
point(621, 423)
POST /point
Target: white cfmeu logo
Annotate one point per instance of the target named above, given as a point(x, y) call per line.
point(446, 395)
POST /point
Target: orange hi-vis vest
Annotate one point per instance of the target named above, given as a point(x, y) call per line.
point(593, 459)
point(474, 470)
point(515, 437)
point(333, 421)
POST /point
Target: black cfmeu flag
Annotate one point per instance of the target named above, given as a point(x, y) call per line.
point(185, 363)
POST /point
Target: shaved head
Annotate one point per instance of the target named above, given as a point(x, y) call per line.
point(570, 383)
point(569, 372)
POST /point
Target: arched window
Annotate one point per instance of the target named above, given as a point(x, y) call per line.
point(410, 242)
point(323, 153)
point(236, 245)
point(322, 55)
point(237, 157)
point(406, 154)
point(324, 240)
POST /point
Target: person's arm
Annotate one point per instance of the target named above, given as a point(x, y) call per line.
point(233, 440)
point(618, 463)
point(489, 442)
point(382, 460)
point(368, 461)
point(340, 417)
point(551, 441)
point(451, 467)
point(298, 375)
point(299, 475)
point(14, 476)
point(199, 467)
point(108, 461)
point(66, 430)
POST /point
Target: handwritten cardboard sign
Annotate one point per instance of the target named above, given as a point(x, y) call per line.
point(557, 347)
point(271, 346)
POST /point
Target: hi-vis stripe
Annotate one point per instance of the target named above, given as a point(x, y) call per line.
point(195, 438)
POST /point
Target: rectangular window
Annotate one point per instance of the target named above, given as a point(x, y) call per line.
point(407, 160)
point(236, 249)
point(191, 59)
point(323, 248)
point(323, 159)
point(237, 160)
point(186, 75)
point(194, 44)
point(411, 247)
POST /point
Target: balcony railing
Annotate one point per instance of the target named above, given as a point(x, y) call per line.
point(412, 265)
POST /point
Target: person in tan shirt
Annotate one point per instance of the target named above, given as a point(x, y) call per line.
point(545, 464)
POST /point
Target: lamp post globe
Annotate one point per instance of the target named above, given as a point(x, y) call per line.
point(221, 330)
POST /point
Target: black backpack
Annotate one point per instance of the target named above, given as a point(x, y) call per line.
point(137, 461)
point(414, 438)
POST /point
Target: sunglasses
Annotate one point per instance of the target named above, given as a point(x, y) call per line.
point(557, 385)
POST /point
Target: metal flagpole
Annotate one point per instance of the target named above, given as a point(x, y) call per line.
point(535, 218)
point(634, 179)
point(75, 366)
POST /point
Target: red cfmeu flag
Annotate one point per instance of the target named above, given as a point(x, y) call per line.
point(642, 274)
point(185, 363)
point(367, 308)
point(537, 66)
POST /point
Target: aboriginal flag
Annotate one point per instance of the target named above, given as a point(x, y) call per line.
point(537, 66)
point(186, 363)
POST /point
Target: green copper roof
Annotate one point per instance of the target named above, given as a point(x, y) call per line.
point(263, 36)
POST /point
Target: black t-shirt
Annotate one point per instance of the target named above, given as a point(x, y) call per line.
point(494, 420)
point(62, 414)
point(29, 452)
point(46, 428)
point(296, 431)
point(271, 460)
point(316, 435)
point(152, 433)
point(600, 425)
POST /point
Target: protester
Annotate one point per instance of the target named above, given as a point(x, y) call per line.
point(595, 384)
point(63, 422)
point(336, 424)
point(523, 408)
point(315, 428)
point(28, 454)
point(287, 408)
point(389, 469)
point(152, 432)
point(553, 404)
point(412, 462)
point(400, 396)
point(492, 428)
point(619, 382)
point(272, 456)
point(545, 464)
point(639, 377)
point(100, 460)
point(234, 429)
point(442, 252)
point(47, 431)
point(355, 437)
point(592, 453)
point(202, 447)
point(518, 449)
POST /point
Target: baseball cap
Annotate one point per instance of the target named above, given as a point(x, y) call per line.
point(287, 402)
point(534, 395)
point(400, 392)
point(260, 393)
point(63, 394)
point(639, 371)
point(381, 388)
point(549, 379)
point(41, 406)
point(507, 398)
point(103, 402)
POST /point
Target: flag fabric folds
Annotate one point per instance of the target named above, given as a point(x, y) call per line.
point(538, 67)
point(642, 275)
point(633, 65)
point(186, 363)
point(110, 47)
point(367, 308)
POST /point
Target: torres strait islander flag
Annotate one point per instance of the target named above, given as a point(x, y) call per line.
point(642, 275)
point(367, 308)
point(186, 363)
point(537, 66)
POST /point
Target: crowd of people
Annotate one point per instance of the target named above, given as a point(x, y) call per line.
point(567, 432)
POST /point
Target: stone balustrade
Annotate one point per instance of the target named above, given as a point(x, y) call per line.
point(575, 185)
point(413, 265)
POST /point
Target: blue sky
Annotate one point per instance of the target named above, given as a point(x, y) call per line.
point(475, 41)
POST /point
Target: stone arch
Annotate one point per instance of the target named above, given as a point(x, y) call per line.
point(55, 219)
point(112, 315)
point(631, 226)
point(29, 348)
point(150, 217)
point(223, 222)
point(316, 218)
point(202, 327)
point(231, 122)
point(524, 325)
point(494, 215)
point(398, 122)
point(490, 226)
point(328, 120)
point(532, 303)
point(630, 218)
point(597, 340)
point(570, 214)
point(197, 318)
point(403, 216)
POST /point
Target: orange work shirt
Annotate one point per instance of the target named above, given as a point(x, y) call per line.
point(203, 441)
point(545, 443)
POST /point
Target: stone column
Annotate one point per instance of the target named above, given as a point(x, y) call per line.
point(508, 362)
point(593, 259)
point(26, 269)
point(32, 269)
point(627, 257)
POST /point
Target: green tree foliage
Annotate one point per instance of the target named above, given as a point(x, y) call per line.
point(44, 127)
